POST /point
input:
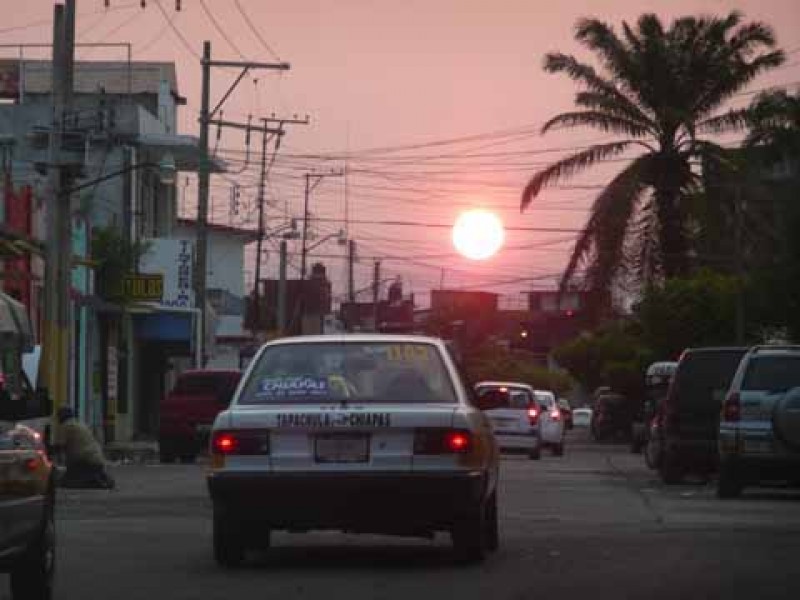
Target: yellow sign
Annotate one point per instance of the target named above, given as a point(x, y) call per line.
point(144, 287)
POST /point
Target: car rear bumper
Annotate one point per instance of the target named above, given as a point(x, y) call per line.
point(368, 502)
point(527, 441)
point(766, 467)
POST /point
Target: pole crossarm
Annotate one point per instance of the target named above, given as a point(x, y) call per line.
point(247, 127)
point(245, 67)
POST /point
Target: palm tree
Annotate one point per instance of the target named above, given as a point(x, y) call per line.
point(774, 123)
point(659, 90)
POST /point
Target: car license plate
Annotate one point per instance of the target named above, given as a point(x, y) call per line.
point(757, 447)
point(503, 423)
point(341, 448)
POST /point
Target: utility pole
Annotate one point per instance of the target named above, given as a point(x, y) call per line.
point(282, 290)
point(376, 288)
point(204, 175)
point(316, 178)
point(260, 243)
point(56, 350)
point(351, 259)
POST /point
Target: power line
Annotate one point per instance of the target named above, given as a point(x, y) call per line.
point(221, 31)
point(177, 32)
point(255, 31)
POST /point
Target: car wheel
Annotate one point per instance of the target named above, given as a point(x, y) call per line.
point(229, 545)
point(535, 453)
point(558, 449)
point(469, 536)
point(32, 576)
point(492, 525)
point(671, 470)
point(729, 484)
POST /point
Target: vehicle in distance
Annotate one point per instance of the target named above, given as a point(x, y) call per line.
point(522, 418)
point(759, 437)
point(359, 433)
point(688, 418)
point(566, 412)
point(582, 417)
point(189, 410)
point(657, 378)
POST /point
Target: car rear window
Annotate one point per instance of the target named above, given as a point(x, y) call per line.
point(772, 373)
point(704, 377)
point(358, 372)
point(507, 397)
point(221, 385)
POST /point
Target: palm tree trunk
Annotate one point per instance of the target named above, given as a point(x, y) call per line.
point(672, 236)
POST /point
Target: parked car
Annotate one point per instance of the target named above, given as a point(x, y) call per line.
point(688, 418)
point(656, 382)
point(362, 433)
point(759, 436)
point(611, 417)
point(551, 424)
point(189, 410)
point(582, 417)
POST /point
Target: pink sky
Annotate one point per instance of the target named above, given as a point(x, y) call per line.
point(378, 73)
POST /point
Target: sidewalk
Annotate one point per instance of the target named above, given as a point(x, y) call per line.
point(131, 452)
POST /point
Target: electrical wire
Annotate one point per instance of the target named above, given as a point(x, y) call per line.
point(221, 31)
point(255, 31)
point(177, 32)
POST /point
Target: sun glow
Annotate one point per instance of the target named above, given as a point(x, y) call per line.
point(478, 234)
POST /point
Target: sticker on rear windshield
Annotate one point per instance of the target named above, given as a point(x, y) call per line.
point(290, 387)
point(334, 420)
point(408, 353)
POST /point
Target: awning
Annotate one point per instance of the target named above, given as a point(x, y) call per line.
point(15, 326)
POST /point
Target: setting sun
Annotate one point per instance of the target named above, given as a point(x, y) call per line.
point(478, 234)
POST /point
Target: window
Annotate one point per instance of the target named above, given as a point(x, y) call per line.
point(774, 374)
point(358, 372)
point(506, 397)
point(703, 376)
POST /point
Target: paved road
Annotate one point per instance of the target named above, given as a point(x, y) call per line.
point(593, 524)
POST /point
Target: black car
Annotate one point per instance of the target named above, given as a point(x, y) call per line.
point(688, 417)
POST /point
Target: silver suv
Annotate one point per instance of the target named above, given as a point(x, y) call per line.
point(760, 423)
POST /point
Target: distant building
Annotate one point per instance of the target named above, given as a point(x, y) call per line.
point(394, 315)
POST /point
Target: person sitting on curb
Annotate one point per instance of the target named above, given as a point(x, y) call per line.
point(86, 466)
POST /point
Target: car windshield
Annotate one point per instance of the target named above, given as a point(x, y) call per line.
point(704, 377)
point(358, 372)
point(772, 373)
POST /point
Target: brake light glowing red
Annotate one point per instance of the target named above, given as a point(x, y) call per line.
point(458, 442)
point(732, 409)
point(555, 414)
point(533, 415)
point(224, 443)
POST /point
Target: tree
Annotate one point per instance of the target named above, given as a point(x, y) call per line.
point(661, 89)
point(682, 313)
point(774, 123)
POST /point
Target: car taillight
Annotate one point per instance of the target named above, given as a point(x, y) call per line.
point(555, 414)
point(732, 409)
point(442, 441)
point(241, 442)
point(533, 415)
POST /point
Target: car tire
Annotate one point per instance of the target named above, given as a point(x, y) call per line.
point(729, 484)
point(671, 470)
point(535, 453)
point(492, 525)
point(229, 547)
point(33, 573)
point(469, 536)
point(558, 449)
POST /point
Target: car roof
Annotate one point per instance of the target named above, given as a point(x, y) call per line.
point(774, 350)
point(344, 338)
point(712, 349)
point(504, 384)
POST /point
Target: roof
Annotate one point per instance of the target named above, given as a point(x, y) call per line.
point(250, 234)
point(90, 76)
point(358, 337)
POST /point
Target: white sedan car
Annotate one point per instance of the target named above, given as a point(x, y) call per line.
point(360, 433)
point(522, 417)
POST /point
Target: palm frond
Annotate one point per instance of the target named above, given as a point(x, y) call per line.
point(599, 120)
point(603, 40)
point(606, 231)
point(556, 62)
point(616, 107)
point(733, 120)
point(570, 166)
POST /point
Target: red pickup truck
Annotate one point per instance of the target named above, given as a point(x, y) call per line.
point(189, 410)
